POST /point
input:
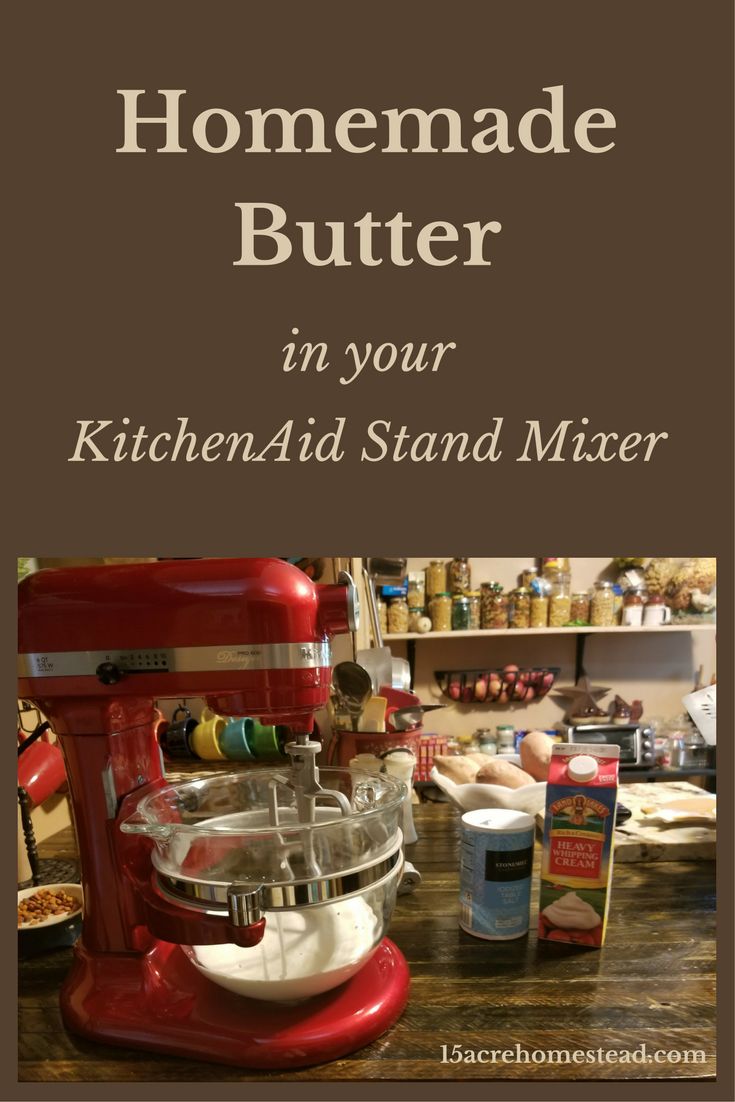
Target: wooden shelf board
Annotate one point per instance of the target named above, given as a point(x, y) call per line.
point(491, 632)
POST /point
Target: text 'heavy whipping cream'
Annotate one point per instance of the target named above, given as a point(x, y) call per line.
point(576, 861)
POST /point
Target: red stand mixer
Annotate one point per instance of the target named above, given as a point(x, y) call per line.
point(175, 874)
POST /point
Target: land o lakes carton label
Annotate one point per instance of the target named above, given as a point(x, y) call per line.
point(576, 861)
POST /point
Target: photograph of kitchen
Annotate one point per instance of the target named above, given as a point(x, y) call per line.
point(366, 818)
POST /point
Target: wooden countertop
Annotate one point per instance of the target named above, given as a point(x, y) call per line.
point(653, 983)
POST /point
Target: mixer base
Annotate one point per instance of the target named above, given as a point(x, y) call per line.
point(158, 1000)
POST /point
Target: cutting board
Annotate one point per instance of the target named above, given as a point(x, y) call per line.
point(637, 840)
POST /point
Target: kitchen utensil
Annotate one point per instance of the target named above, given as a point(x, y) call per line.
point(702, 707)
point(387, 571)
point(250, 859)
point(404, 719)
point(373, 716)
point(383, 668)
point(354, 687)
point(41, 771)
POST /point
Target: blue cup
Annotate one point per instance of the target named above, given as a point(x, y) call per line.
point(233, 741)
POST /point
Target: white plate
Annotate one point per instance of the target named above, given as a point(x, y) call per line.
point(75, 890)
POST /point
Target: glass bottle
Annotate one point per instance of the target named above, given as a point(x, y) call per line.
point(460, 612)
point(602, 608)
point(520, 608)
point(440, 611)
point(397, 615)
point(460, 575)
point(436, 578)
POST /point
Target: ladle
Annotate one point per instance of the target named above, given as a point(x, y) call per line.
point(354, 687)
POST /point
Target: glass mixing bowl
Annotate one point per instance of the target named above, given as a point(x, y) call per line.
point(330, 884)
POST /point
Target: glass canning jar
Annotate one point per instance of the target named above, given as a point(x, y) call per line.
point(602, 609)
point(460, 575)
point(436, 578)
point(440, 611)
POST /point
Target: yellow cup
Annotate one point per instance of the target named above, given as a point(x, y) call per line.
point(205, 739)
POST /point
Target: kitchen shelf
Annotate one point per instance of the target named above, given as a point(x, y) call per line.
point(486, 633)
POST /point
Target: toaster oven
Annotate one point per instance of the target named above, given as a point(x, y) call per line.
point(636, 741)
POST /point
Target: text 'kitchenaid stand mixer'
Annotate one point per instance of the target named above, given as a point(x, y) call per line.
point(238, 917)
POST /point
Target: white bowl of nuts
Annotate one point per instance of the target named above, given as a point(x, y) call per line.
point(49, 915)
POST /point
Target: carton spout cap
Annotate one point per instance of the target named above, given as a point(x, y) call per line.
point(582, 768)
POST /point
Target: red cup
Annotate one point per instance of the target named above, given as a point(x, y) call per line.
point(41, 771)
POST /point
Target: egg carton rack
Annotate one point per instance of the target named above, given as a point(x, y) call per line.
point(507, 685)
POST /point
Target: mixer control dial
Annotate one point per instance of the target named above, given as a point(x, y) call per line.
point(108, 673)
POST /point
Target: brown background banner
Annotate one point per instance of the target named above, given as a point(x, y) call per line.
point(609, 296)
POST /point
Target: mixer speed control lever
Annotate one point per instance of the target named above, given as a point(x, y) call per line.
point(109, 674)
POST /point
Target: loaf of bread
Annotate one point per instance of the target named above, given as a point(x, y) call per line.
point(458, 767)
point(502, 772)
point(535, 753)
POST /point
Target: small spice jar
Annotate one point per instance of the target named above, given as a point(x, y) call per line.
point(580, 611)
point(602, 608)
point(460, 575)
point(460, 612)
point(560, 604)
point(519, 613)
point(487, 740)
point(633, 608)
point(440, 611)
point(493, 606)
point(397, 615)
point(528, 576)
point(474, 599)
point(506, 738)
point(436, 578)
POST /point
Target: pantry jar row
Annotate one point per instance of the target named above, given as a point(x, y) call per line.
point(542, 604)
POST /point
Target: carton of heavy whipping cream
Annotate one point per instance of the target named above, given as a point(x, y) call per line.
point(576, 860)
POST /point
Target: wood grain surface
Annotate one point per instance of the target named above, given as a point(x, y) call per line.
point(652, 984)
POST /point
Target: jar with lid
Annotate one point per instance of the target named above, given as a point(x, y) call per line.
point(552, 567)
point(633, 608)
point(580, 610)
point(519, 615)
point(440, 611)
point(460, 612)
point(602, 608)
point(493, 606)
point(436, 578)
point(506, 738)
point(528, 577)
point(487, 740)
point(460, 575)
point(416, 590)
point(474, 598)
point(560, 603)
point(397, 615)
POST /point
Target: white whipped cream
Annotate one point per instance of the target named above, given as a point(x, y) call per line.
point(569, 912)
point(302, 954)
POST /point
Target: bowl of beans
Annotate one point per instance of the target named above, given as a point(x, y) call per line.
point(49, 916)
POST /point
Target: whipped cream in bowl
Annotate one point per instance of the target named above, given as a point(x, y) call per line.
point(569, 912)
